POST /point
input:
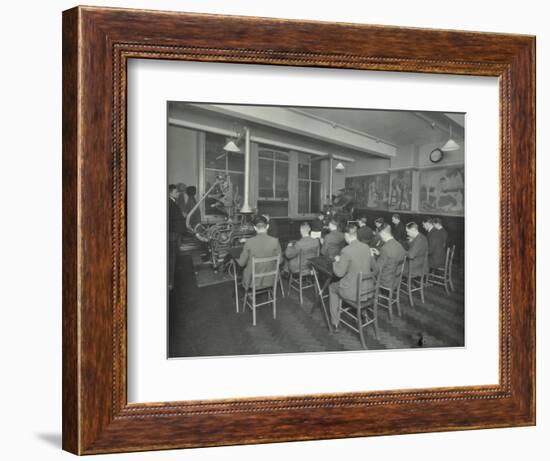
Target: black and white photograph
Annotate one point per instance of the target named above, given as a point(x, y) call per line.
point(313, 229)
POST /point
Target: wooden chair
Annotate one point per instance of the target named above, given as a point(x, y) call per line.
point(362, 311)
point(414, 282)
point(386, 297)
point(261, 271)
point(443, 275)
point(305, 273)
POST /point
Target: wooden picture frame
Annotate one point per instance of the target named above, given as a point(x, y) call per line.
point(97, 43)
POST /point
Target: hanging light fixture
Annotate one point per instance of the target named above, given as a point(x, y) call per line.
point(339, 166)
point(231, 146)
point(451, 144)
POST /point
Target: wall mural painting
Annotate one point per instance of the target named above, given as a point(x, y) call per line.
point(401, 190)
point(369, 191)
point(442, 190)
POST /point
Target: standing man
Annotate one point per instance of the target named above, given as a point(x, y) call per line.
point(391, 256)
point(364, 233)
point(436, 244)
point(376, 241)
point(334, 241)
point(418, 247)
point(259, 246)
point(398, 231)
point(176, 226)
point(356, 257)
point(439, 226)
point(318, 225)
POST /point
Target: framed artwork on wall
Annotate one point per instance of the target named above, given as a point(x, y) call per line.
point(258, 104)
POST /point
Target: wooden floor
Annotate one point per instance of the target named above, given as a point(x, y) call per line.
point(203, 322)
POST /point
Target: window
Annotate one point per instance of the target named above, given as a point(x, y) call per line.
point(309, 184)
point(217, 161)
point(273, 174)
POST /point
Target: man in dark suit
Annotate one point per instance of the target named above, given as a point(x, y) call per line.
point(390, 259)
point(176, 227)
point(318, 225)
point(436, 244)
point(376, 241)
point(398, 230)
point(333, 242)
point(259, 246)
point(418, 248)
point(356, 257)
point(307, 245)
point(439, 226)
point(364, 233)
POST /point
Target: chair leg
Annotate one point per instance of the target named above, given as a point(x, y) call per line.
point(398, 302)
point(375, 313)
point(289, 283)
point(422, 289)
point(301, 296)
point(409, 289)
point(281, 284)
point(390, 307)
point(360, 328)
point(451, 281)
point(274, 301)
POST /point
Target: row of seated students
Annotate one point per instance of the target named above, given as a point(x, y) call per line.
point(350, 255)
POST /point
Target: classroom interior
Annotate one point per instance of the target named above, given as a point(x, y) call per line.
point(293, 163)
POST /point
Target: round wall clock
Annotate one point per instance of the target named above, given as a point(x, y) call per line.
point(436, 155)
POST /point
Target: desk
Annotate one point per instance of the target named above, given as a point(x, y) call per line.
point(323, 265)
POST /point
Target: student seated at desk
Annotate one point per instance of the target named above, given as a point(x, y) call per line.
point(318, 225)
point(334, 241)
point(356, 257)
point(364, 233)
point(307, 245)
point(259, 246)
point(391, 256)
point(418, 247)
point(376, 241)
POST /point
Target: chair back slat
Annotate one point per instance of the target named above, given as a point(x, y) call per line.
point(361, 290)
point(265, 271)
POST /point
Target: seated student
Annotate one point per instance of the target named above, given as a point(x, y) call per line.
point(398, 229)
point(364, 233)
point(356, 257)
point(439, 226)
point(307, 245)
point(436, 244)
point(334, 241)
point(391, 256)
point(318, 225)
point(259, 246)
point(418, 247)
point(273, 229)
point(376, 241)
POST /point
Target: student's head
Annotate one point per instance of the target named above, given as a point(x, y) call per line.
point(266, 216)
point(427, 223)
point(362, 221)
point(305, 228)
point(181, 187)
point(385, 233)
point(396, 219)
point(260, 224)
point(333, 225)
point(350, 233)
point(379, 222)
point(437, 223)
point(191, 191)
point(173, 191)
point(412, 229)
point(320, 216)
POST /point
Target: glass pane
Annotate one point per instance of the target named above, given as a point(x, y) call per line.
point(274, 209)
point(235, 161)
point(303, 197)
point(316, 170)
point(265, 177)
point(214, 154)
point(265, 154)
point(315, 197)
point(281, 180)
point(237, 183)
point(303, 171)
point(281, 156)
